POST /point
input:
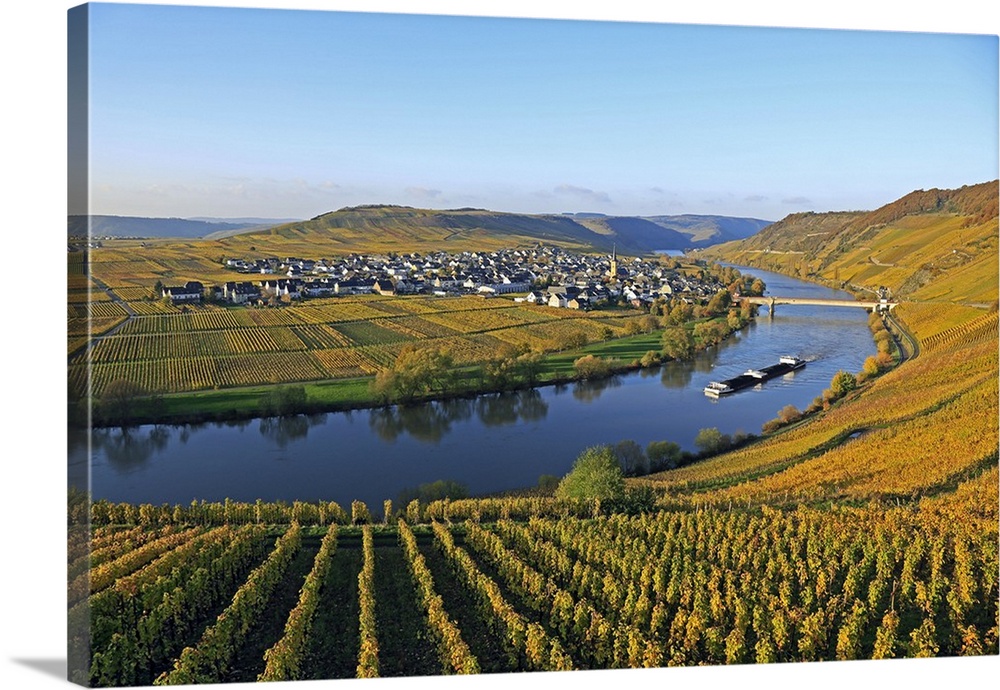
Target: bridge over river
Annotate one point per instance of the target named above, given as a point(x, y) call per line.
point(772, 301)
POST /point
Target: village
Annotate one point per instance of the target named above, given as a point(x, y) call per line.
point(546, 275)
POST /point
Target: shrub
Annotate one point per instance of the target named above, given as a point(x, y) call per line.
point(786, 415)
point(631, 457)
point(711, 441)
point(548, 483)
point(591, 367)
point(650, 359)
point(595, 474)
point(789, 414)
point(285, 400)
point(842, 383)
point(663, 455)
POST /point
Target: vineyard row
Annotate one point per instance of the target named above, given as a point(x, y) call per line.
point(556, 594)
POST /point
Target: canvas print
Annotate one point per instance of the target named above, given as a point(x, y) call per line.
point(417, 345)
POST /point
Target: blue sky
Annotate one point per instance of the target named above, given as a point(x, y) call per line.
point(34, 177)
point(249, 112)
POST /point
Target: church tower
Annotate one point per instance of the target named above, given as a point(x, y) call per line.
point(614, 263)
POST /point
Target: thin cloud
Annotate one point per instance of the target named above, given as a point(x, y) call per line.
point(423, 192)
point(797, 201)
point(755, 199)
point(660, 192)
point(718, 202)
point(582, 193)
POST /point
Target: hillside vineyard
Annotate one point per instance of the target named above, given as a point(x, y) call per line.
point(539, 591)
point(862, 527)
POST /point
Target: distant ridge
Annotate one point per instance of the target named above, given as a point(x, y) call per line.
point(244, 221)
point(356, 226)
point(137, 226)
point(686, 231)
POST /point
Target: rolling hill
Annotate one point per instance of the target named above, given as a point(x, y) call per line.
point(673, 232)
point(928, 245)
point(404, 228)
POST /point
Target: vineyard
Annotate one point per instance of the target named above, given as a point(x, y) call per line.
point(193, 601)
point(869, 532)
point(208, 347)
point(918, 430)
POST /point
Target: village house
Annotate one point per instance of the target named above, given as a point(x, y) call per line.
point(192, 291)
point(389, 286)
point(240, 293)
point(447, 282)
point(283, 288)
point(592, 279)
point(321, 287)
point(354, 286)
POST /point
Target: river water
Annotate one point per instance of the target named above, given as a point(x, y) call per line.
point(490, 443)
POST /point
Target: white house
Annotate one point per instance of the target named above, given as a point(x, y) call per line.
point(240, 293)
point(283, 288)
point(191, 291)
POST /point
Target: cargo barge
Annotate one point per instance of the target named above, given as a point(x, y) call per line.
point(751, 377)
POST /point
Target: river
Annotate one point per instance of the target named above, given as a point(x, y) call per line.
point(490, 443)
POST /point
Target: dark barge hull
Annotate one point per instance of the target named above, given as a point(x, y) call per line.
point(752, 377)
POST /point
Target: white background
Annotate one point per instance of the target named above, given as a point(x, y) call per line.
point(32, 377)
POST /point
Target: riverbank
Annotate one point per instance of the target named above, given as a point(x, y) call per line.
point(337, 395)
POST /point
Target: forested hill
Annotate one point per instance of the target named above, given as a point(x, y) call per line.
point(928, 245)
point(402, 227)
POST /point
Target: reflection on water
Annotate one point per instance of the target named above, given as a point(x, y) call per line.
point(488, 443)
point(284, 430)
point(431, 422)
point(676, 374)
point(427, 423)
point(531, 406)
point(128, 448)
point(589, 391)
